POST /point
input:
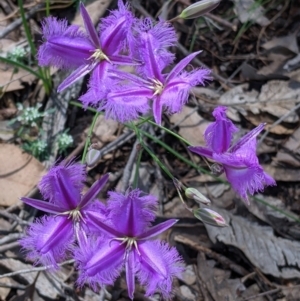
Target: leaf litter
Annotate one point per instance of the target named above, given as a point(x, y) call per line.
point(258, 240)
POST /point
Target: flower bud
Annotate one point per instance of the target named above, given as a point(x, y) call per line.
point(93, 155)
point(196, 195)
point(209, 217)
point(198, 9)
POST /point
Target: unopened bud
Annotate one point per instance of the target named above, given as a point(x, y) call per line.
point(196, 195)
point(217, 169)
point(92, 156)
point(198, 9)
point(209, 217)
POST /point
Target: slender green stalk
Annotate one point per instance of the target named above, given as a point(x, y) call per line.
point(167, 130)
point(26, 27)
point(148, 150)
point(291, 216)
point(47, 8)
point(42, 72)
point(137, 167)
point(20, 65)
point(88, 139)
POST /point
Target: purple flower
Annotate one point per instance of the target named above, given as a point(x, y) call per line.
point(239, 161)
point(68, 47)
point(49, 238)
point(170, 91)
point(126, 244)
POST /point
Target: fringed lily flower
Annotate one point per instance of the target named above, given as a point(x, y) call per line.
point(166, 91)
point(49, 238)
point(239, 161)
point(68, 47)
point(127, 244)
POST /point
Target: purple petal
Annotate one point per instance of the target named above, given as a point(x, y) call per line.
point(104, 228)
point(244, 174)
point(131, 213)
point(48, 239)
point(123, 60)
point(116, 30)
point(159, 265)
point(158, 229)
point(69, 194)
point(218, 134)
point(117, 74)
point(76, 75)
point(74, 172)
point(161, 36)
point(130, 267)
point(181, 65)
point(126, 105)
point(65, 46)
point(100, 263)
point(89, 26)
point(202, 151)
point(93, 191)
point(42, 205)
point(99, 84)
point(157, 110)
point(149, 59)
point(248, 137)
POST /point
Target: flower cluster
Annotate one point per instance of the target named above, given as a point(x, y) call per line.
point(121, 40)
point(238, 160)
point(103, 239)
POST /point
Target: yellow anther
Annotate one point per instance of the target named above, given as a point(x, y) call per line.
point(99, 55)
point(157, 87)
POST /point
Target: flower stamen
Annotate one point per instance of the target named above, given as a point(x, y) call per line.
point(157, 87)
point(99, 55)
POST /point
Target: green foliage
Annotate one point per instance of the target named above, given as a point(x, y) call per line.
point(37, 148)
point(64, 141)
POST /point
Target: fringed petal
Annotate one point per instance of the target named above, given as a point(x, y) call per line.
point(131, 213)
point(153, 41)
point(244, 173)
point(48, 239)
point(116, 30)
point(65, 46)
point(100, 263)
point(76, 174)
point(160, 263)
point(127, 104)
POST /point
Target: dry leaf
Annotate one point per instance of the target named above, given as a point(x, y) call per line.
point(192, 125)
point(290, 151)
point(273, 255)
point(19, 173)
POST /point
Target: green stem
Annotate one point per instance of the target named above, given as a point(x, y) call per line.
point(137, 167)
point(167, 130)
point(26, 27)
point(47, 8)
point(20, 65)
point(148, 150)
point(88, 139)
point(275, 208)
point(42, 75)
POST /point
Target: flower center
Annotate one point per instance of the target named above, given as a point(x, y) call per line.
point(157, 87)
point(130, 242)
point(99, 55)
point(75, 215)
